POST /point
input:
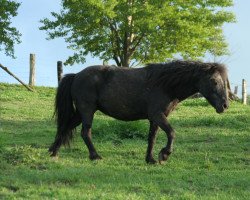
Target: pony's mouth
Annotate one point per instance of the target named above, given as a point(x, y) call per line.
point(221, 108)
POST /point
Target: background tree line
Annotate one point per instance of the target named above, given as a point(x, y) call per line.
point(130, 32)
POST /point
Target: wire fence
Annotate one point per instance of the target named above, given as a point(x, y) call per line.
point(45, 72)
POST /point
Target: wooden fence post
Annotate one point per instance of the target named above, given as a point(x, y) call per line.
point(244, 92)
point(236, 89)
point(59, 71)
point(32, 70)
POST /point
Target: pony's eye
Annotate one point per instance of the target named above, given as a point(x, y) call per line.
point(214, 82)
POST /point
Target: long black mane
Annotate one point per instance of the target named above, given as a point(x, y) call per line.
point(177, 73)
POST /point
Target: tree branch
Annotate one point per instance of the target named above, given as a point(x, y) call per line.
point(117, 41)
point(132, 50)
point(14, 76)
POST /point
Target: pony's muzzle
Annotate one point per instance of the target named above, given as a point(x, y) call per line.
point(222, 108)
point(225, 106)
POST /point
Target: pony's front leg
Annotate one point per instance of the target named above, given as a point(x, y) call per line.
point(162, 122)
point(151, 140)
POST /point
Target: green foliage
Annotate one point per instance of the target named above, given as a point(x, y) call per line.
point(210, 159)
point(8, 35)
point(140, 30)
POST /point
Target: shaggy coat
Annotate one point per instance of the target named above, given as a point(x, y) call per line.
point(149, 93)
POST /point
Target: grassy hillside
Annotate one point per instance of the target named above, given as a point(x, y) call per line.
point(211, 156)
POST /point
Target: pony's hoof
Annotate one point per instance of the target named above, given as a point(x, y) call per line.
point(53, 154)
point(151, 161)
point(95, 157)
point(54, 158)
point(163, 156)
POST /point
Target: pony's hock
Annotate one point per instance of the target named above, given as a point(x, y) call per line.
point(149, 93)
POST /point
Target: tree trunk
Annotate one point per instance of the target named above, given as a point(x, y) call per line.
point(128, 39)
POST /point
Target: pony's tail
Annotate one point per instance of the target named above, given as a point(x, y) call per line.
point(64, 111)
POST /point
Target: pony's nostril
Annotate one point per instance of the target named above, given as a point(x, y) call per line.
point(225, 106)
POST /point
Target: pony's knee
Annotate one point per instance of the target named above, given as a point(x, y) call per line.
point(172, 134)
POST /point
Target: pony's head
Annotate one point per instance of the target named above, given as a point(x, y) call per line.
point(213, 86)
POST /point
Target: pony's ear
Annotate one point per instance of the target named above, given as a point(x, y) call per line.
point(218, 68)
point(212, 69)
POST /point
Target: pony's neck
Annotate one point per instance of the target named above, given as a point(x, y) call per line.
point(187, 91)
point(187, 86)
point(176, 81)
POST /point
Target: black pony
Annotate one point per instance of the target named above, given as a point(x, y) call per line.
point(149, 93)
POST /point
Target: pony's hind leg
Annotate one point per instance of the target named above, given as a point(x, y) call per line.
point(54, 148)
point(87, 135)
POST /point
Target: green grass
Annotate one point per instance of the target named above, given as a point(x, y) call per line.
point(211, 158)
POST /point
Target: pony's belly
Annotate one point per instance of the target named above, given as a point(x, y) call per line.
point(123, 113)
point(126, 117)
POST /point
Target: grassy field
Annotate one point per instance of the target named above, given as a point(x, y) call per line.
point(211, 158)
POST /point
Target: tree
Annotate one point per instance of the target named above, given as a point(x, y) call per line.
point(8, 34)
point(139, 31)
